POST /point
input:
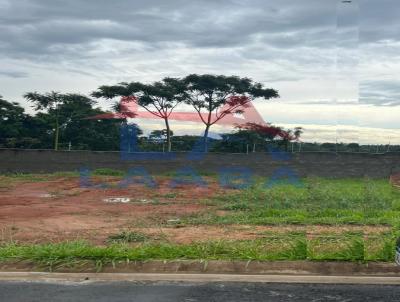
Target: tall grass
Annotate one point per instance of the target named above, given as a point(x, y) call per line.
point(292, 246)
point(319, 194)
point(318, 201)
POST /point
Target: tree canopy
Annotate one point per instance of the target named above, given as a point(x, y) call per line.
point(159, 98)
point(51, 102)
point(215, 96)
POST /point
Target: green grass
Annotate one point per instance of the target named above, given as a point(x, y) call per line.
point(173, 174)
point(10, 180)
point(343, 247)
point(170, 195)
point(126, 236)
point(318, 201)
point(29, 177)
point(37, 177)
point(108, 172)
point(290, 246)
point(319, 194)
point(296, 217)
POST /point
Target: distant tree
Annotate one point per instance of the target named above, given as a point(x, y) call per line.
point(353, 147)
point(12, 117)
point(64, 118)
point(237, 141)
point(298, 131)
point(328, 147)
point(83, 132)
point(159, 98)
point(185, 142)
point(291, 135)
point(50, 102)
point(160, 134)
point(268, 132)
point(216, 96)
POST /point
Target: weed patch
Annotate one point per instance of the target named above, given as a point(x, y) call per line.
point(127, 236)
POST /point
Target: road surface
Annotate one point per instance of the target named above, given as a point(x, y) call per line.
point(17, 291)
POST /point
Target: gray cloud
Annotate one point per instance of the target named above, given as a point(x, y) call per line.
point(275, 41)
point(35, 26)
point(13, 74)
point(42, 23)
point(379, 20)
point(380, 92)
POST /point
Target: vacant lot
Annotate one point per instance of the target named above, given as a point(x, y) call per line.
point(353, 219)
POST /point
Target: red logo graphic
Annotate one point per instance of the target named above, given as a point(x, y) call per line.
point(249, 118)
point(130, 109)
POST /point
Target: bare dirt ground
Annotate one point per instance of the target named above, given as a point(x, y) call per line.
point(395, 180)
point(60, 209)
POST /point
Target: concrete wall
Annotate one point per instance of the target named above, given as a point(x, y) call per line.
point(323, 164)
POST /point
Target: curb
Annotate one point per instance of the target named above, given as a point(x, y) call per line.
point(88, 278)
point(218, 267)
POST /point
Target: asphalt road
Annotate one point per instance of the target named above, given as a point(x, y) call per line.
point(192, 292)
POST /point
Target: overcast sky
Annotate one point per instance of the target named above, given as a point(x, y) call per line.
point(336, 65)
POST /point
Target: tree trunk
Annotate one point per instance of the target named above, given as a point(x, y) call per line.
point(206, 138)
point(56, 135)
point(168, 135)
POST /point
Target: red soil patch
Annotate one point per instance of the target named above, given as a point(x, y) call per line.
point(59, 210)
point(249, 232)
point(395, 180)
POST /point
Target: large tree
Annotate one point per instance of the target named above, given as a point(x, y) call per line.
point(64, 117)
point(84, 133)
point(50, 103)
point(159, 98)
point(216, 96)
point(21, 130)
point(12, 119)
